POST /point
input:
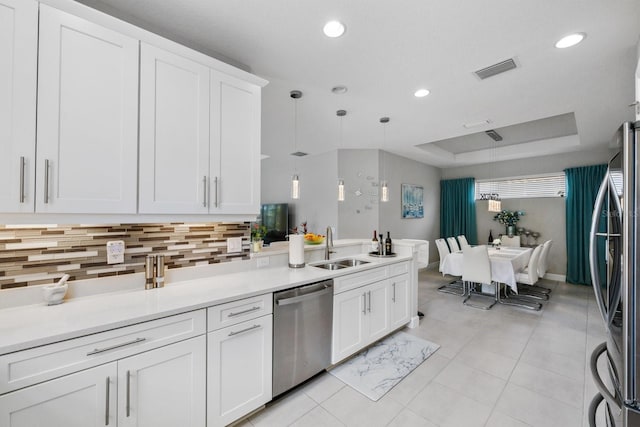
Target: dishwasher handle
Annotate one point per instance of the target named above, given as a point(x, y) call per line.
point(300, 298)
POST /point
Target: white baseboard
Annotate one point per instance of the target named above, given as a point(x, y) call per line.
point(557, 277)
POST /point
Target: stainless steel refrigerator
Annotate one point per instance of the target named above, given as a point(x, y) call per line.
point(613, 257)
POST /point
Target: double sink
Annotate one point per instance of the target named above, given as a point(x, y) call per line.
point(339, 264)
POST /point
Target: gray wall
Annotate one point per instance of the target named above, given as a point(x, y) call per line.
point(544, 215)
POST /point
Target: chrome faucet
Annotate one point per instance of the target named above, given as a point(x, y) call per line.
point(328, 249)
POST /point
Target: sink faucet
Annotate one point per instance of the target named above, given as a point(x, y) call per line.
point(328, 249)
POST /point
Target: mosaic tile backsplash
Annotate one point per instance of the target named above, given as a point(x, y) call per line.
point(40, 254)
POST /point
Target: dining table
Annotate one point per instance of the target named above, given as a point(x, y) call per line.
point(506, 262)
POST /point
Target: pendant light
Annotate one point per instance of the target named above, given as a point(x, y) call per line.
point(494, 204)
point(384, 187)
point(295, 181)
point(341, 114)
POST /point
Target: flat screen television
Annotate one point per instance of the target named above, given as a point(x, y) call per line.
point(275, 217)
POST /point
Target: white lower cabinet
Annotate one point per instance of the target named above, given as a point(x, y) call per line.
point(86, 398)
point(360, 317)
point(400, 288)
point(164, 387)
point(239, 370)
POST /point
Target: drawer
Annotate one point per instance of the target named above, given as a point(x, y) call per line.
point(27, 367)
point(398, 269)
point(223, 315)
point(355, 280)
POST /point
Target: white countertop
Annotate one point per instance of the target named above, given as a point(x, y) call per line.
point(35, 325)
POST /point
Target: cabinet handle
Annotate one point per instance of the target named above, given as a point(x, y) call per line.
point(250, 328)
point(46, 180)
point(394, 292)
point(364, 303)
point(369, 301)
point(249, 310)
point(21, 179)
point(204, 185)
point(215, 183)
point(128, 393)
point(102, 350)
point(106, 412)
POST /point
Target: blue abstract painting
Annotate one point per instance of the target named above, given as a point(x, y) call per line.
point(412, 201)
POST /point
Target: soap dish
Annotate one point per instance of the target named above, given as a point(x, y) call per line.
point(54, 294)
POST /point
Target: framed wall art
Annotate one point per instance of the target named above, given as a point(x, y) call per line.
point(412, 201)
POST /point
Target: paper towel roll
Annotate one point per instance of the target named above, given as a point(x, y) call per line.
point(296, 250)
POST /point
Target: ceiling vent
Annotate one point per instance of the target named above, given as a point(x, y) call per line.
point(494, 135)
point(494, 69)
point(299, 154)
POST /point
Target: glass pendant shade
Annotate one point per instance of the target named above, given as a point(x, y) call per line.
point(495, 205)
point(295, 187)
point(341, 190)
point(384, 192)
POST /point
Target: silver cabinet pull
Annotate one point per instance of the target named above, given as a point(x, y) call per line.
point(21, 179)
point(215, 181)
point(249, 310)
point(102, 350)
point(369, 301)
point(46, 180)
point(364, 303)
point(106, 406)
point(394, 292)
point(128, 393)
point(250, 328)
point(204, 198)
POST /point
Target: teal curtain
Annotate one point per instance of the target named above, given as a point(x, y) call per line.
point(458, 209)
point(582, 187)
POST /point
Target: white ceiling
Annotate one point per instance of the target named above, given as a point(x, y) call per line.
point(390, 49)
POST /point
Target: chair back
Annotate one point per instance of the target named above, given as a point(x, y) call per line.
point(453, 244)
point(443, 251)
point(476, 266)
point(463, 241)
point(532, 268)
point(543, 262)
point(510, 241)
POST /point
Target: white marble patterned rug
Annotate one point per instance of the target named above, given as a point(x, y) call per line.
point(376, 370)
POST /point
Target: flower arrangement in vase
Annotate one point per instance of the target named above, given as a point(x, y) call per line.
point(258, 232)
point(509, 219)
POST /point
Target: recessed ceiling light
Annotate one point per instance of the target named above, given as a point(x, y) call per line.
point(420, 93)
point(570, 40)
point(339, 90)
point(476, 124)
point(333, 29)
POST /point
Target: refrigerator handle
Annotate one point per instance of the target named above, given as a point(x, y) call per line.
point(617, 290)
point(593, 261)
point(602, 389)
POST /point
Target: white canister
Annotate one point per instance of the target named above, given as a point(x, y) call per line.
point(296, 250)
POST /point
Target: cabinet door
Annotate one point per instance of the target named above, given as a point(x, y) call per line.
point(86, 398)
point(349, 323)
point(239, 370)
point(235, 145)
point(87, 117)
point(18, 70)
point(378, 310)
point(400, 307)
point(164, 387)
point(174, 133)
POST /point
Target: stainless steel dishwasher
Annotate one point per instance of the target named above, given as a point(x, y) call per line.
point(302, 322)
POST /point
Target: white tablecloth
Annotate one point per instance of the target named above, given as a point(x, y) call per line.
point(505, 263)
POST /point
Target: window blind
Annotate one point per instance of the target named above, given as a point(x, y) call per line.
point(550, 185)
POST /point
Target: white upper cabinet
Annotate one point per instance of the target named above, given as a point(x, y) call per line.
point(87, 117)
point(174, 133)
point(235, 145)
point(18, 73)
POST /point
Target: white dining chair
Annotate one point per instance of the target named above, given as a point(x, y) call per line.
point(476, 270)
point(528, 277)
point(453, 244)
point(463, 242)
point(543, 265)
point(454, 287)
point(510, 241)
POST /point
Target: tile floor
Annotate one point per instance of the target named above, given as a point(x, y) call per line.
point(502, 367)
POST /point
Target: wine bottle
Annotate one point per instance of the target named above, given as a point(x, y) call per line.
point(387, 245)
point(381, 251)
point(374, 242)
point(490, 238)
